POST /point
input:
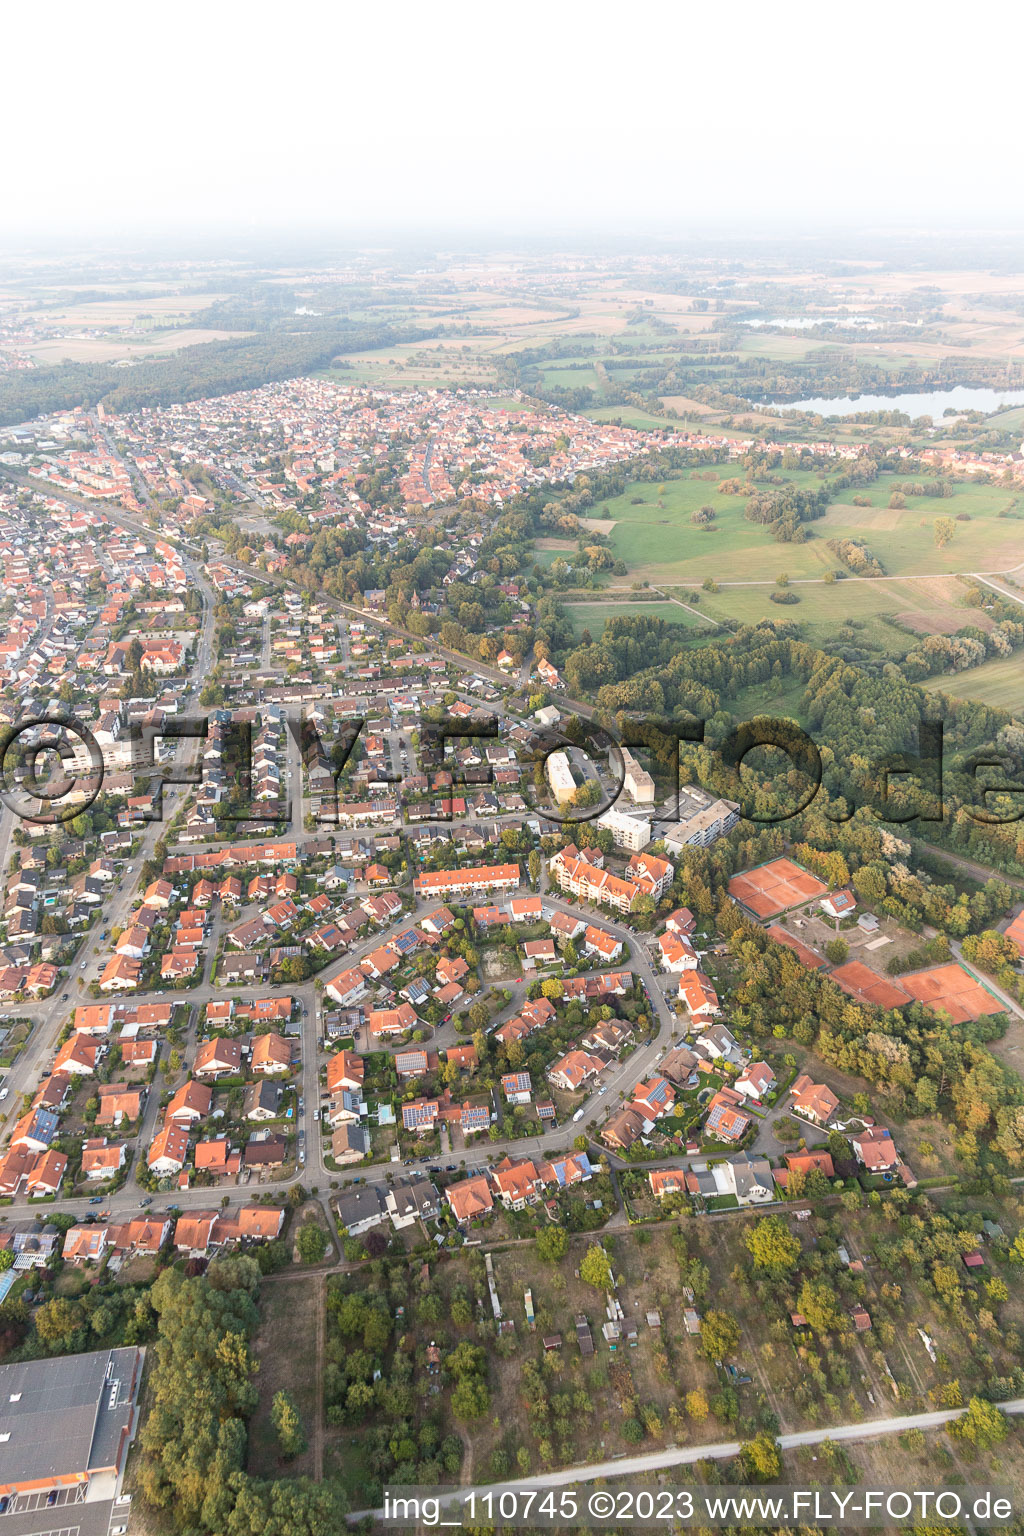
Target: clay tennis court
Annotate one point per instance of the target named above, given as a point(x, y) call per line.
point(952, 989)
point(803, 952)
point(1015, 933)
point(866, 986)
point(773, 888)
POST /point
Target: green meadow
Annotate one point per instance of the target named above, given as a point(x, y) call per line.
point(999, 682)
point(654, 534)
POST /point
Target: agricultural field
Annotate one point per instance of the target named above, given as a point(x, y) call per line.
point(135, 343)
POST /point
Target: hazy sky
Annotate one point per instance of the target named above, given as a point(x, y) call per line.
point(535, 116)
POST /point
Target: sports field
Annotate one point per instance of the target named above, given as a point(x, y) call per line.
point(594, 616)
point(775, 887)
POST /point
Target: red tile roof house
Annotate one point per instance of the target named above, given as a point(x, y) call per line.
point(470, 1198)
point(667, 1181)
point(378, 963)
point(726, 1122)
point(119, 1103)
point(191, 1103)
point(168, 1150)
point(539, 952)
point(218, 1058)
point(179, 963)
point(47, 1174)
point(216, 1156)
point(699, 996)
point(348, 987)
point(677, 954)
point(192, 1232)
point(272, 1054)
point(755, 1081)
point(566, 927)
point(876, 1150)
point(813, 1101)
point(811, 1162)
point(451, 968)
point(345, 1070)
point(138, 1053)
point(517, 1184)
point(450, 994)
point(143, 1234)
point(100, 1160)
point(260, 1222)
point(681, 922)
point(78, 1056)
point(574, 1070)
point(599, 942)
point(517, 1087)
point(392, 1021)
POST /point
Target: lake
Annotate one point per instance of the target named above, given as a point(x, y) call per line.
point(839, 322)
point(928, 403)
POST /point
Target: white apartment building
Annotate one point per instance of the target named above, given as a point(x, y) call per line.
point(560, 777)
point(631, 832)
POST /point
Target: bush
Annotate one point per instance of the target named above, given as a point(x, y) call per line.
point(311, 1242)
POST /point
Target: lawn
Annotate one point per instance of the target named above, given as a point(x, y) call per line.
point(780, 697)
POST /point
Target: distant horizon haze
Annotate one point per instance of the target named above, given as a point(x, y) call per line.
point(566, 122)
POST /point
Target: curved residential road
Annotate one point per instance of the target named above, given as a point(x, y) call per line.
point(681, 1456)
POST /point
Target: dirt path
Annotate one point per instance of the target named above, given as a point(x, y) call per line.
point(318, 1405)
point(675, 1456)
point(980, 872)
